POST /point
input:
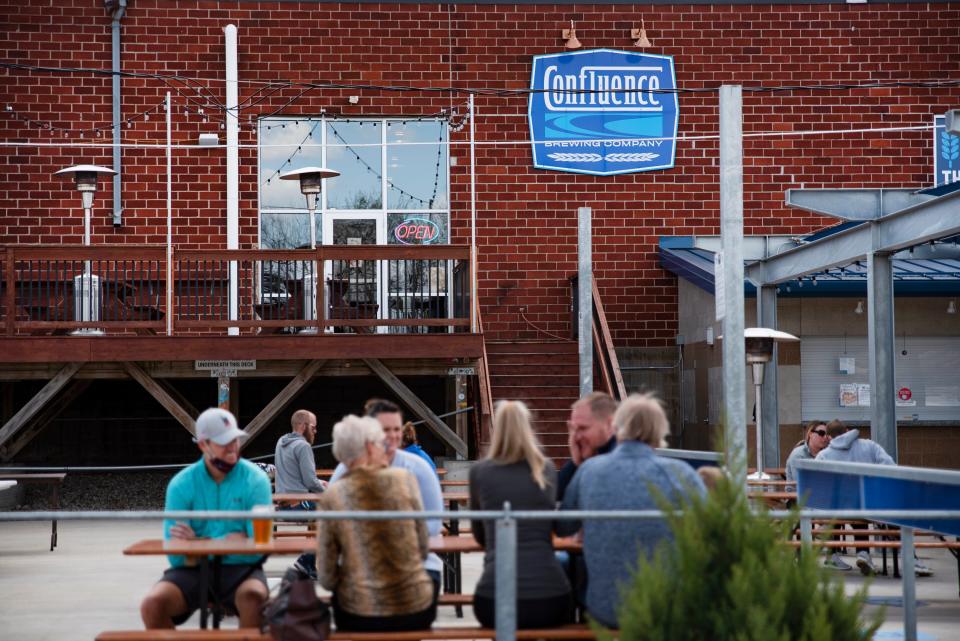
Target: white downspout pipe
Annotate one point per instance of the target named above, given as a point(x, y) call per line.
point(232, 117)
point(118, 14)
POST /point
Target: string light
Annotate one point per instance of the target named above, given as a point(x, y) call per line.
point(44, 125)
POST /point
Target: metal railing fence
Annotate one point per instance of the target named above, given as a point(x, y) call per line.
point(506, 537)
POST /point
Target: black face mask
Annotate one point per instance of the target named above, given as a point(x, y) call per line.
point(222, 465)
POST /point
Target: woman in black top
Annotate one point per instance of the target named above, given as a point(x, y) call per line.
point(515, 470)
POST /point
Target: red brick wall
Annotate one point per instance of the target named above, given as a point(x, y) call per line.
point(526, 218)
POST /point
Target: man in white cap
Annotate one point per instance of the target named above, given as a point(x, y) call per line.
point(220, 480)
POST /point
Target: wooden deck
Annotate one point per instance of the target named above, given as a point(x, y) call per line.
point(71, 314)
point(105, 349)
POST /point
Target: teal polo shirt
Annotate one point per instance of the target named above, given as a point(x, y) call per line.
point(193, 488)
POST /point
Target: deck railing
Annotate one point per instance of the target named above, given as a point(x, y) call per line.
point(124, 289)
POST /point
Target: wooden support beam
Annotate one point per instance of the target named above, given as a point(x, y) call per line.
point(180, 399)
point(37, 403)
point(419, 408)
point(281, 400)
point(160, 393)
point(47, 415)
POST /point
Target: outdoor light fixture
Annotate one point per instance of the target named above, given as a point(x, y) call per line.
point(859, 308)
point(311, 184)
point(85, 177)
point(952, 307)
point(570, 35)
point(759, 349)
point(639, 37)
point(86, 288)
point(951, 122)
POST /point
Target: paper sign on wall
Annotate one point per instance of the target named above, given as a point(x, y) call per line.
point(848, 365)
point(848, 395)
point(719, 296)
point(863, 394)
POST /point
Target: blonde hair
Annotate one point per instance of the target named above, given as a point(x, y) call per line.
point(640, 417)
point(513, 439)
point(351, 435)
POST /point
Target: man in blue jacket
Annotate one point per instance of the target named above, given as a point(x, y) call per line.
point(220, 480)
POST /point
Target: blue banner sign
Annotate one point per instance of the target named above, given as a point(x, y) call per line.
point(946, 154)
point(603, 112)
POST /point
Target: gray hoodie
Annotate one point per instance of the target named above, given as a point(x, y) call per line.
point(853, 449)
point(296, 467)
point(800, 453)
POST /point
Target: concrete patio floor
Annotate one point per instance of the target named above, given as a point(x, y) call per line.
point(86, 585)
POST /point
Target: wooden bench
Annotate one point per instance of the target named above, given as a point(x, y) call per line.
point(251, 634)
point(326, 473)
point(454, 599)
point(54, 480)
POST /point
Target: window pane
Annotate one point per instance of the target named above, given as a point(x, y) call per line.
point(299, 146)
point(356, 280)
point(358, 186)
point(417, 173)
point(284, 231)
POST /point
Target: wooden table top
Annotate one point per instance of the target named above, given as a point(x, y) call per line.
point(294, 497)
point(204, 547)
point(298, 545)
point(327, 473)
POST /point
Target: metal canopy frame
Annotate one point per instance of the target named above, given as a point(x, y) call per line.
point(874, 241)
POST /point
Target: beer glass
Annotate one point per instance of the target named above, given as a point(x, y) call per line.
point(262, 528)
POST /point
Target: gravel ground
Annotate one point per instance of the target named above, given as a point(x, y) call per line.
point(106, 491)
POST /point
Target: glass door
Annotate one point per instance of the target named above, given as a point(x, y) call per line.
point(353, 290)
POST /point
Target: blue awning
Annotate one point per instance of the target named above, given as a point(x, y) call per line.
point(911, 277)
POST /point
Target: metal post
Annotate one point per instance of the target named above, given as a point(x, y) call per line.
point(769, 416)
point(909, 584)
point(585, 298)
point(223, 392)
point(880, 336)
point(731, 243)
point(758, 396)
point(806, 530)
point(506, 571)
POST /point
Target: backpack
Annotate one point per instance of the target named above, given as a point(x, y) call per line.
point(295, 613)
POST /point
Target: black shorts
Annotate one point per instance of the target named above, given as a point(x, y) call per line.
point(231, 576)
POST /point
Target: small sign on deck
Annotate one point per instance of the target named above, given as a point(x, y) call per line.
point(461, 371)
point(224, 369)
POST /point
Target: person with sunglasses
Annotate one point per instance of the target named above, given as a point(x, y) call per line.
point(816, 439)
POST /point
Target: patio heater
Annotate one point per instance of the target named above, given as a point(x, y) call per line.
point(759, 349)
point(86, 287)
point(311, 184)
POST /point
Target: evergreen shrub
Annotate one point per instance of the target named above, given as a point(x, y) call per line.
point(727, 576)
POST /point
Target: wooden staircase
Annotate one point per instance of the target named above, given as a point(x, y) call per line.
point(545, 376)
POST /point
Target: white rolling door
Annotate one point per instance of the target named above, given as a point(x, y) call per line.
point(927, 376)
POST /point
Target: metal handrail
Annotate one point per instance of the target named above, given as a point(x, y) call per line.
point(506, 537)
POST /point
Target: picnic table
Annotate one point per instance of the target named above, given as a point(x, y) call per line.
point(54, 480)
point(209, 554)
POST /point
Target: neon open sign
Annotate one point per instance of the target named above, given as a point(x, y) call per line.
point(417, 231)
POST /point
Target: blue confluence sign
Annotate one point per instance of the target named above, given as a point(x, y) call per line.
point(946, 154)
point(603, 112)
